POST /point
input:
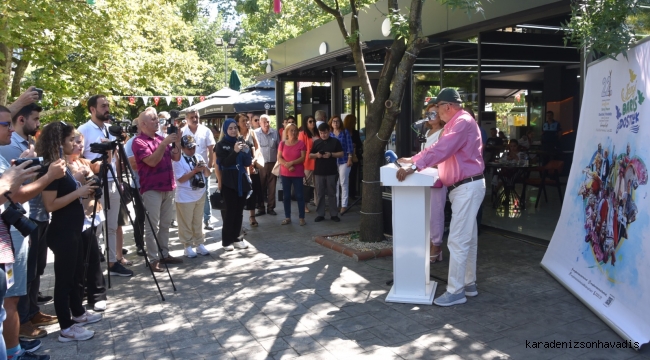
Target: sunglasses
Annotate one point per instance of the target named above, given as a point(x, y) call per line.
point(311, 121)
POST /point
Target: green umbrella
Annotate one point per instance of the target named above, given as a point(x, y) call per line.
point(234, 82)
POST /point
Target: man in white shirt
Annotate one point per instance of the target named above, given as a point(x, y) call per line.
point(96, 131)
point(205, 147)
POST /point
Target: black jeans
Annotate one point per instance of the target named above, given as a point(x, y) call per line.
point(95, 283)
point(138, 222)
point(232, 217)
point(36, 262)
point(66, 244)
point(257, 191)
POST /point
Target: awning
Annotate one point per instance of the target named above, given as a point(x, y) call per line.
point(257, 98)
point(223, 93)
point(215, 105)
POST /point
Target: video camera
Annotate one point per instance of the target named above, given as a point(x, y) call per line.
point(97, 181)
point(103, 147)
point(14, 215)
point(120, 128)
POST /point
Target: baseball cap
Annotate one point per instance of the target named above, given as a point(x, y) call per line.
point(187, 141)
point(433, 101)
point(448, 95)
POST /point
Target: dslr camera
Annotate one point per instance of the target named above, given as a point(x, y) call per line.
point(197, 180)
point(97, 181)
point(14, 215)
point(103, 147)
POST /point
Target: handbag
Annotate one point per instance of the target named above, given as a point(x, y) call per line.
point(127, 193)
point(276, 169)
point(217, 201)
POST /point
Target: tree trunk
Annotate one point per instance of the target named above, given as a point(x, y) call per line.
point(372, 217)
point(19, 72)
point(5, 72)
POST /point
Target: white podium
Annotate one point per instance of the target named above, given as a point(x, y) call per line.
point(411, 244)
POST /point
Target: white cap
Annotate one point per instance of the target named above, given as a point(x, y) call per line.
point(318, 123)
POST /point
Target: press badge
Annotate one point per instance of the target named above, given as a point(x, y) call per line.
point(9, 270)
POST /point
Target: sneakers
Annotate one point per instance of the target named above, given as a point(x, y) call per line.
point(448, 299)
point(319, 218)
point(27, 355)
point(30, 345)
point(202, 250)
point(140, 252)
point(229, 248)
point(335, 218)
point(173, 224)
point(119, 270)
point(240, 244)
point(100, 305)
point(29, 331)
point(87, 318)
point(470, 290)
point(171, 260)
point(75, 332)
point(41, 319)
point(189, 252)
point(271, 212)
point(207, 226)
point(44, 299)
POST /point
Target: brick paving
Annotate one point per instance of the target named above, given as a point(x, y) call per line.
point(287, 297)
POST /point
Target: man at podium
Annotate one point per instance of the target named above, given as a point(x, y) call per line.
point(458, 154)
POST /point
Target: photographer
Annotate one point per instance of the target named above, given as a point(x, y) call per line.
point(154, 156)
point(63, 198)
point(233, 156)
point(204, 146)
point(21, 247)
point(191, 174)
point(138, 225)
point(94, 281)
point(26, 123)
point(96, 131)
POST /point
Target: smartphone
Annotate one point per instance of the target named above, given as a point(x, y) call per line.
point(40, 93)
point(60, 152)
point(240, 138)
point(35, 161)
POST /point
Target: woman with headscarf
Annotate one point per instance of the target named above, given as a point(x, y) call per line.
point(233, 157)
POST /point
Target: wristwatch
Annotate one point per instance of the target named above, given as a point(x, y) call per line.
point(414, 168)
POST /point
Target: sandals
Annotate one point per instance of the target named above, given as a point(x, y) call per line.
point(286, 221)
point(253, 221)
point(437, 257)
point(307, 210)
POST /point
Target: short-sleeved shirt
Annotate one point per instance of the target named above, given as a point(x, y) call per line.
point(184, 191)
point(160, 177)
point(71, 216)
point(94, 134)
point(128, 149)
point(268, 144)
point(204, 139)
point(6, 247)
point(290, 153)
point(550, 131)
point(326, 166)
point(12, 151)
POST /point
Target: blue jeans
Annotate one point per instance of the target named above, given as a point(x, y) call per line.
point(3, 314)
point(286, 196)
point(207, 209)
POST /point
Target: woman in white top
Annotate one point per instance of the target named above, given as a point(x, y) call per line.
point(438, 191)
point(190, 172)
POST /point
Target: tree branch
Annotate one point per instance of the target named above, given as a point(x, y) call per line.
point(19, 72)
point(337, 15)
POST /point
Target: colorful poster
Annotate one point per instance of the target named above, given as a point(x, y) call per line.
point(601, 246)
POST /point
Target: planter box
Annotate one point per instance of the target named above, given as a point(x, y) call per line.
point(357, 255)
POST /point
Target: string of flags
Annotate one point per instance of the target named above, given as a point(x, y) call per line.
point(156, 99)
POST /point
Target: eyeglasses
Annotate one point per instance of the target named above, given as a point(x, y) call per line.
point(8, 124)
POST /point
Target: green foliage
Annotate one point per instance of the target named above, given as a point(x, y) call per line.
point(467, 6)
point(604, 26)
point(399, 24)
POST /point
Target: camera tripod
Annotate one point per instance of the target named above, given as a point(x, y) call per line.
point(105, 168)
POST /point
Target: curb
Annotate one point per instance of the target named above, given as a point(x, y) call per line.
point(357, 255)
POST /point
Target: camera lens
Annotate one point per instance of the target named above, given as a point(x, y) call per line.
point(13, 215)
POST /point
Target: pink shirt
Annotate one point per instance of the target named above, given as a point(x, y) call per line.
point(457, 152)
point(290, 153)
point(160, 177)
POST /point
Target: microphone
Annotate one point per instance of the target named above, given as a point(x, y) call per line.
point(111, 118)
point(391, 158)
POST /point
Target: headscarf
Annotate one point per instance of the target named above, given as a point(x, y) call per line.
point(227, 137)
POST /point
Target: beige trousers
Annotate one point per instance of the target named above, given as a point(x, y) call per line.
point(190, 226)
point(160, 207)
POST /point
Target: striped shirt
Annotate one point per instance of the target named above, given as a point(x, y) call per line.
point(6, 246)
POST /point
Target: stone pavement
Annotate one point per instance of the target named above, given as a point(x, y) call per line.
point(287, 297)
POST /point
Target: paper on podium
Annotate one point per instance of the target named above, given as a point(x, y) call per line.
point(426, 177)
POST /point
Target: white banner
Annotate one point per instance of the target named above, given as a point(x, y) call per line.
point(169, 100)
point(601, 246)
point(145, 100)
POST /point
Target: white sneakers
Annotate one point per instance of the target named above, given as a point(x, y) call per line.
point(190, 253)
point(87, 318)
point(75, 332)
point(202, 250)
point(229, 248)
point(100, 305)
point(240, 244)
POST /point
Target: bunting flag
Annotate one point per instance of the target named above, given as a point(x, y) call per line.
point(156, 100)
point(190, 99)
point(201, 98)
point(169, 100)
point(145, 100)
point(179, 100)
point(132, 100)
point(117, 98)
point(277, 6)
